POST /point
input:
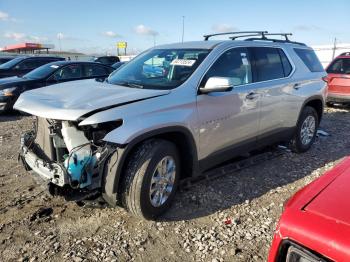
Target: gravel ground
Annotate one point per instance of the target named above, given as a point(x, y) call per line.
point(231, 218)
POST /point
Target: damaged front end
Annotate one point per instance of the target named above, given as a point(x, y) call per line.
point(70, 158)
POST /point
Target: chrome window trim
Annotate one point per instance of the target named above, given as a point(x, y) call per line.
point(258, 82)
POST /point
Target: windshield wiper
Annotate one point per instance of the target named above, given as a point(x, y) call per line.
point(130, 84)
point(133, 85)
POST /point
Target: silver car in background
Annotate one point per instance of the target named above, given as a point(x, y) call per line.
point(171, 113)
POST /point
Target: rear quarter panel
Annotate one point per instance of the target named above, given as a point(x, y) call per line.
point(310, 86)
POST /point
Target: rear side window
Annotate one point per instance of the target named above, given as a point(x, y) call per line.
point(95, 70)
point(287, 67)
point(268, 63)
point(339, 66)
point(310, 59)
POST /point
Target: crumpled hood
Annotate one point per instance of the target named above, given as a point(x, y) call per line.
point(69, 101)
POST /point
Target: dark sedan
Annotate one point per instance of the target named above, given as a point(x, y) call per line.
point(52, 73)
point(19, 66)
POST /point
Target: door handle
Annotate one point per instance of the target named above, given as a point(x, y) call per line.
point(296, 86)
point(251, 96)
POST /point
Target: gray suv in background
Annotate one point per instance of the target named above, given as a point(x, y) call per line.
point(171, 113)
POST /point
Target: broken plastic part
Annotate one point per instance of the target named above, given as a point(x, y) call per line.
point(80, 161)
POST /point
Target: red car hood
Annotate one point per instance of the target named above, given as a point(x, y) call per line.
point(333, 201)
point(318, 216)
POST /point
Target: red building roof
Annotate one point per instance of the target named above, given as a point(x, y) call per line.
point(26, 47)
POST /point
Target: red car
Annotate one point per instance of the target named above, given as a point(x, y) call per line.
point(315, 225)
point(339, 79)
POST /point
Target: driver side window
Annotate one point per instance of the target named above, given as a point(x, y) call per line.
point(234, 64)
point(68, 72)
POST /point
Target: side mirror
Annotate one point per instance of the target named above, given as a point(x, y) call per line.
point(217, 84)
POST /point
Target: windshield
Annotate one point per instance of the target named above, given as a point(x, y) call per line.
point(340, 66)
point(42, 71)
point(159, 68)
point(11, 63)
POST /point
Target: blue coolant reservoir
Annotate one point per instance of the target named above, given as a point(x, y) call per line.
point(80, 161)
point(80, 168)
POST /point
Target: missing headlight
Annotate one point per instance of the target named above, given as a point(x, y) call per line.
point(97, 132)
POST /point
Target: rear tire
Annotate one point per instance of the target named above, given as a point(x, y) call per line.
point(306, 130)
point(151, 179)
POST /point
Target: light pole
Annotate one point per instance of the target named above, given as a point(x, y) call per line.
point(59, 41)
point(183, 28)
point(334, 47)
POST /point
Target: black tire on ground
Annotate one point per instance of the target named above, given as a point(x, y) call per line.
point(296, 143)
point(136, 183)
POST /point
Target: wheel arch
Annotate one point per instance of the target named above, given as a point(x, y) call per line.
point(315, 102)
point(180, 136)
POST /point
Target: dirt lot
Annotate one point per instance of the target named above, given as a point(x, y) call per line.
point(193, 230)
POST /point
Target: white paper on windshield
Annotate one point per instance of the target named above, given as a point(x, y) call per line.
point(54, 66)
point(183, 62)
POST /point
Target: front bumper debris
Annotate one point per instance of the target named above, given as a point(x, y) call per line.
point(49, 171)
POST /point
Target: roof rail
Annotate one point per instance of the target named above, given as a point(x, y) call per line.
point(206, 37)
point(248, 35)
point(286, 40)
point(344, 54)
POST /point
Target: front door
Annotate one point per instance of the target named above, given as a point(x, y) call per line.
point(228, 121)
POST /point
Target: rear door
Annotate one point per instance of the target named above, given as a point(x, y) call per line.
point(339, 76)
point(272, 68)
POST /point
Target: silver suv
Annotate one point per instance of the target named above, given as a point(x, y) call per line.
point(171, 113)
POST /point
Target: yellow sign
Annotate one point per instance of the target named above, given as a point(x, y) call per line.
point(122, 44)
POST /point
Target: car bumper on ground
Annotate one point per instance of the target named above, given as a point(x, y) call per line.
point(338, 98)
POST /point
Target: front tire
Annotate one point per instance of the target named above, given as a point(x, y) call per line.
point(151, 179)
point(306, 130)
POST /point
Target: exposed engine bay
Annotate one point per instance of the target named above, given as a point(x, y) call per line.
point(71, 159)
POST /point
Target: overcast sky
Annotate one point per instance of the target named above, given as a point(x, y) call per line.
point(96, 25)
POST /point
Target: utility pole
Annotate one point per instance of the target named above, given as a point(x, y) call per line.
point(334, 47)
point(154, 40)
point(59, 41)
point(183, 28)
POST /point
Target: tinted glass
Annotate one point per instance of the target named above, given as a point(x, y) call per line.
point(339, 66)
point(159, 68)
point(42, 71)
point(11, 63)
point(310, 59)
point(68, 72)
point(117, 65)
point(235, 64)
point(268, 63)
point(28, 64)
point(4, 60)
point(287, 67)
point(95, 70)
